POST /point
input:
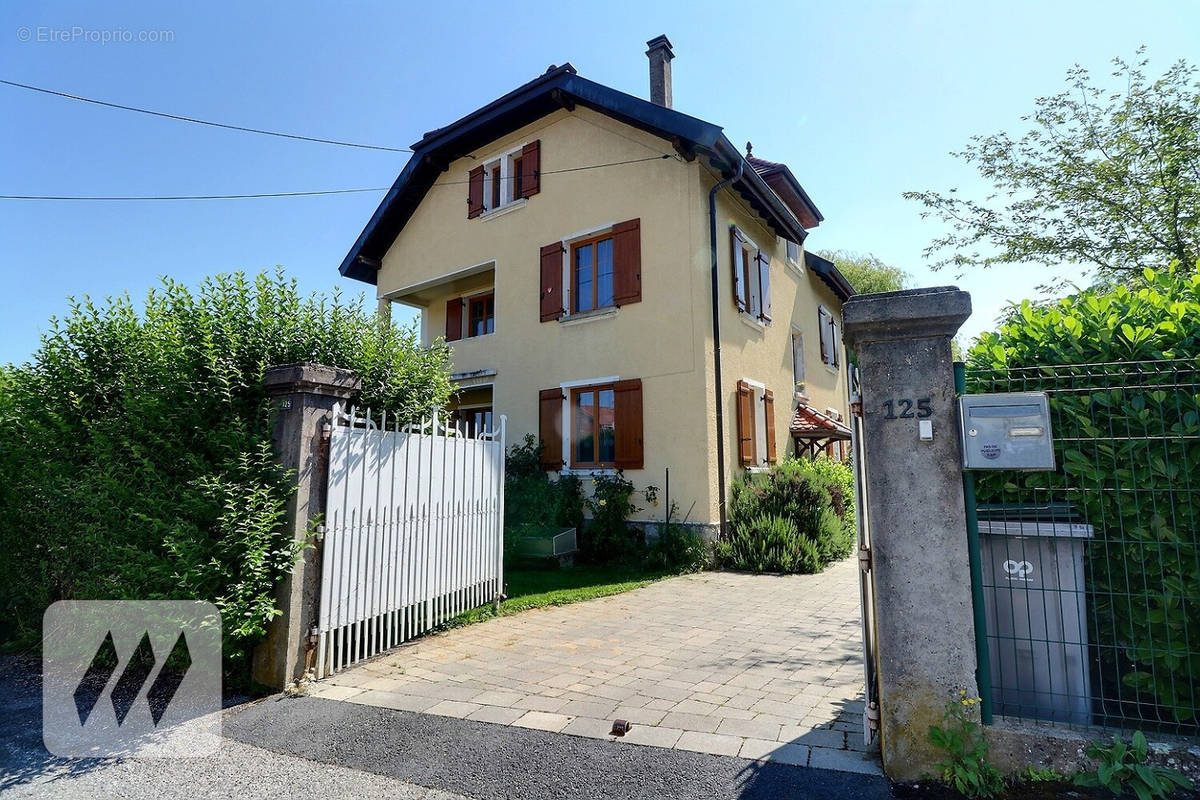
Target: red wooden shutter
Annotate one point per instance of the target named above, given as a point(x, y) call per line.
point(551, 282)
point(531, 168)
point(769, 416)
point(741, 292)
point(745, 425)
point(627, 262)
point(454, 319)
point(627, 401)
point(474, 192)
point(550, 427)
point(764, 284)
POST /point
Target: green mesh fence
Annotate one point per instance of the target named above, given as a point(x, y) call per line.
point(1091, 573)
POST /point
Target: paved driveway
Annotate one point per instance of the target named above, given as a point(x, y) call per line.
point(761, 667)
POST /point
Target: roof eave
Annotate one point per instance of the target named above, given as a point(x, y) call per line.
point(523, 105)
point(828, 272)
point(752, 186)
point(438, 148)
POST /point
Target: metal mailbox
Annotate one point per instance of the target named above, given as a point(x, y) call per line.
point(1006, 431)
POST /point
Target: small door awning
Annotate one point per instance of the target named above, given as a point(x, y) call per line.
point(812, 431)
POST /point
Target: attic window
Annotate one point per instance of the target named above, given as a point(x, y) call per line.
point(504, 180)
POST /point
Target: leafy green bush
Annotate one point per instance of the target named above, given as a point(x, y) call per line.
point(532, 498)
point(608, 536)
point(676, 549)
point(137, 445)
point(1126, 427)
point(838, 479)
point(1122, 768)
point(769, 543)
point(793, 518)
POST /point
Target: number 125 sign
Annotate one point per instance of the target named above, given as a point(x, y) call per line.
point(904, 406)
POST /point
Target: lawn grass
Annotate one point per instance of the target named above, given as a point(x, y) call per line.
point(538, 588)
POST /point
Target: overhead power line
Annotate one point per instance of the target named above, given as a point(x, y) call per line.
point(195, 121)
point(121, 198)
point(581, 169)
point(187, 196)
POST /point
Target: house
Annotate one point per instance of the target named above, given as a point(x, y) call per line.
point(582, 249)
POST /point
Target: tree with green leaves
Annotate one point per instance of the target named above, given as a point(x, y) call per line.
point(137, 457)
point(1105, 179)
point(867, 273)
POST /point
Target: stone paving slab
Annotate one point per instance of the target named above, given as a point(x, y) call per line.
point(763, 667)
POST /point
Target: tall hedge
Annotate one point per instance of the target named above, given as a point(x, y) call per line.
point(136, 460)
point(1122, 365)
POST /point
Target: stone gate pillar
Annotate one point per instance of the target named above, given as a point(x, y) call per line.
point(923, 616)
point(302, 397)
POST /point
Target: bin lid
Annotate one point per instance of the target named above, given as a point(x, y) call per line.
point(1041, 512)
point(1031, 528)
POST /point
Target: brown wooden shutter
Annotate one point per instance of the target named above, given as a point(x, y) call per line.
point(764, 284)
point(454, 319)
point(474, 192)
point(741, 293)
point(627, 401)
point(745, 424)
point(552, 282)
point(627, 262)
point(531, 168)
point(769, 416)
point(550, 427)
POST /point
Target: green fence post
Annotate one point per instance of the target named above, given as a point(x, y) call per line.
point(983, 669)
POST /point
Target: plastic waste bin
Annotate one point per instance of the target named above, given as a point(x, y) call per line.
point(1036, 609)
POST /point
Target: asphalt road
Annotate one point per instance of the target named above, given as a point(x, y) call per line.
point(238, 771)
point(289, 747)
point(488, 761)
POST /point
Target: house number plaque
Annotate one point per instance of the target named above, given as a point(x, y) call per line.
point(907, 408)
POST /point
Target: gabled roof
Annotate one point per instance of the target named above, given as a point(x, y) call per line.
point(784, 184)
point(559, 87)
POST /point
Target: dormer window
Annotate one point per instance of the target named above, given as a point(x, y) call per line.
point(504, 180)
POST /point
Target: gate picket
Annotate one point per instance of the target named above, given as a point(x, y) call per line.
point(413, 532)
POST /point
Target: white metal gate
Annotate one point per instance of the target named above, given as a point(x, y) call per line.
point(413, 533)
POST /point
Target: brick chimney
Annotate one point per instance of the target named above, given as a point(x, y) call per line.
point(660, 55)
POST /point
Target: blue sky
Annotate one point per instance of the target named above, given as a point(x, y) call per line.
point(862, 100)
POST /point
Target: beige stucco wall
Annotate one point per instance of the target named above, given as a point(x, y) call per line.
point(658, 340)
point(763, 353)
point(665, 340)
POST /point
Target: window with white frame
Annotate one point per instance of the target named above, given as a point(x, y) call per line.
point(793, 252)
point(830, 338)
point(755, 424)
point(835, 450)
point(798, 356)
point(502, 180)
